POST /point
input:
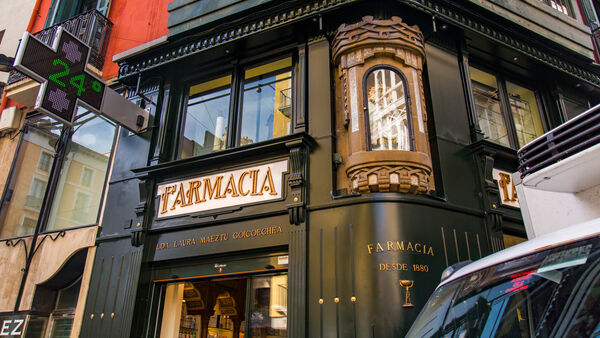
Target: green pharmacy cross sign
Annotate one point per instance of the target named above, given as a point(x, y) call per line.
point(61, 70)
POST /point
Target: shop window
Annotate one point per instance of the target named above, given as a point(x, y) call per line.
point(508, 114)
point(215, 119)
point(62, 10)
point(253, 306)
point(388, 110)
point(70, 151)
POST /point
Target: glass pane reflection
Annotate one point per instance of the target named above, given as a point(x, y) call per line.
point(267, 102)
point(81, 183)
point(487, 106)
point(27, 188)
point(388, 119)
point(206, 120)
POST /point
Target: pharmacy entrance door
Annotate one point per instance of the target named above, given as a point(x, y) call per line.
point(225, 307)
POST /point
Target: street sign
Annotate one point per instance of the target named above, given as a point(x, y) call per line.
point(66, 84)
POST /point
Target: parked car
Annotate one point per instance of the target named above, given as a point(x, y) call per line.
point(548, 286)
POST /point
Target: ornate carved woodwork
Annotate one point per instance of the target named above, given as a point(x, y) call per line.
point(359, 50)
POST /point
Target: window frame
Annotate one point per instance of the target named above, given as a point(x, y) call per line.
point(54, 6)
point(503, 97)
point(236, 70)
point(397, 71)
point(53, 176)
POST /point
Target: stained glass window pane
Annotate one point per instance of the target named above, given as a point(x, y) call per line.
point(526, 114)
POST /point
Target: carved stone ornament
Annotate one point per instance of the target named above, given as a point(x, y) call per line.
point(379, 65)
point(354, 43)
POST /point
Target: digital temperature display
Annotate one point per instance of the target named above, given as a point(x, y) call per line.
point(61, 70)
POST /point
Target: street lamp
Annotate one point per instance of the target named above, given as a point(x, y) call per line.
point(6, 63)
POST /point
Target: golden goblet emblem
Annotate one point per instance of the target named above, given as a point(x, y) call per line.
point(407, 284)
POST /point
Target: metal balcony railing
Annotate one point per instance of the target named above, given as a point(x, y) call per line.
point(92, 28)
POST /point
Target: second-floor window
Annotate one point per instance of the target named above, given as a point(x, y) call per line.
point(508, 114)
point(249, 105)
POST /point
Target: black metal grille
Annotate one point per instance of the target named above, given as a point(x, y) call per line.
point(91, 27)
point(568, 139)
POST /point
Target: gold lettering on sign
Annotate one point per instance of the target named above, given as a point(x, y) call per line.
point(254, 175)
point(236, 187)
point(194, 193)
point(220, 237)
point(179, 198)
point(165, 197)
point(271, 187)
point(230, 187)
point(212, 189)
point(420, 248)
point(241, 184)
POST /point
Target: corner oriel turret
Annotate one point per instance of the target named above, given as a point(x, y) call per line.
point(380, 107)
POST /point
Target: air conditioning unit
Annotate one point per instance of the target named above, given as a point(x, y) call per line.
point(10, 119)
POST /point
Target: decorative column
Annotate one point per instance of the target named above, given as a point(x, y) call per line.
point(380, 107)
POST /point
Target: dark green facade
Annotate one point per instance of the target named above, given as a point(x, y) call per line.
point(347, 252)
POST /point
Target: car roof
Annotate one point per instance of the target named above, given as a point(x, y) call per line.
point(554, 239)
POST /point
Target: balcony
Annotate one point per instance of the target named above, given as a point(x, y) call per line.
point(92, 28)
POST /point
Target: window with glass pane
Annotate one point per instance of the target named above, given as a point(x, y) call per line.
point(266, 102)
point(573, 107)
point(487, 106)
point(27, 186)
point(90, 146)
point(388, 111)
point(526, 114)
point(207, 117)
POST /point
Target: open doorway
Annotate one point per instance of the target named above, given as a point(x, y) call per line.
point(233, 307)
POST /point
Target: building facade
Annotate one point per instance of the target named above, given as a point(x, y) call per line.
point(54, 176)
point(311, 167)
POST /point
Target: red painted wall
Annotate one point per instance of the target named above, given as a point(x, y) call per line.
point(134, 23)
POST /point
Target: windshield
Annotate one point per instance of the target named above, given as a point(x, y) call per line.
point(553, 293)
